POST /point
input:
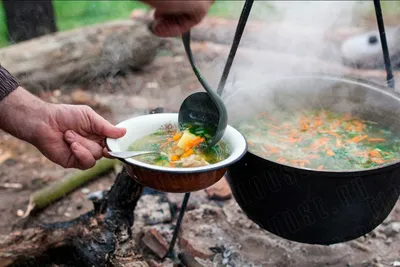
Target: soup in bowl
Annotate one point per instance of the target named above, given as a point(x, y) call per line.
point(183, 162)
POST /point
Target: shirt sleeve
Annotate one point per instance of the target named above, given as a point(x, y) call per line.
point(8, 83)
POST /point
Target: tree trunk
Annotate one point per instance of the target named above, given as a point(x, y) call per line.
point(29, 19)
point(80, 55)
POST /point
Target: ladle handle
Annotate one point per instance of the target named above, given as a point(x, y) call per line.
point(207, 87)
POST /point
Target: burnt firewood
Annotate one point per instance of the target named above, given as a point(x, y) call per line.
point(89, 240)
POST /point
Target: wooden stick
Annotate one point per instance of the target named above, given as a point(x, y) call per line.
point(45, 196)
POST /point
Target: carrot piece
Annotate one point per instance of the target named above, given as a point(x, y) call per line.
point(197, 142)
point(378, 161)
point(187, 153)
point(373, 140)
point(177, 136)
point(281, 160)
point(334, 134)
point(318, 122)
point(320, 167)
point(330, 153)
point(273, 150)
point(304, 126)
point(374, 154)
point(358, 138)
point(172, 165)
point(174, 157)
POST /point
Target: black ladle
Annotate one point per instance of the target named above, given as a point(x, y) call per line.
point(203, 108)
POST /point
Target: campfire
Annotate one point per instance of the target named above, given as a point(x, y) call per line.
point(224, 222)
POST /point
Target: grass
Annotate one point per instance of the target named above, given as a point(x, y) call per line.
point(72, 14)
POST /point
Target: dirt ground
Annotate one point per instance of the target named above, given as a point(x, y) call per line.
point(166, 82)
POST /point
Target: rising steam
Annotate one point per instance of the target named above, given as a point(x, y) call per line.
point(295, 42)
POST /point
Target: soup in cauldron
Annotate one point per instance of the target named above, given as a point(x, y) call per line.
point(320, 139)
point(181, 149)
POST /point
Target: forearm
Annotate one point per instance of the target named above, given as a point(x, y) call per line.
point(20, 111)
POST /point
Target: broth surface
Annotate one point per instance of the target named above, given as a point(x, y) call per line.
point(320, 139)
point(180, 149)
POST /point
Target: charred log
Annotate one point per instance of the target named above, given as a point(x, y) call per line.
point(93, 239)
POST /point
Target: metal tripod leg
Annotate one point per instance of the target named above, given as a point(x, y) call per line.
point(170, 252)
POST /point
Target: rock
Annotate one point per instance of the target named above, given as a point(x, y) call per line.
point(199, 229)
point(153, 210)
point(392, 229)
point(20, 213)
point(236, 217)
point(165, 263)
point(155, 242)
point(85, 191)
point(195, 248)
point(219, 190)
point(196, 199)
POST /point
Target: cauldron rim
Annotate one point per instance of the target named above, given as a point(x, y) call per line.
point(345, 79)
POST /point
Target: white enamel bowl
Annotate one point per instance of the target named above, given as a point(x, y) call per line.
point(166, 179)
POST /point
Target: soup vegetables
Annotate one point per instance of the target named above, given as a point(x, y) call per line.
point(180, 149)
point(320, 139)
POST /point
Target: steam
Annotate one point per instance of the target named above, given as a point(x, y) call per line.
point(293, 38)
point(295, 41)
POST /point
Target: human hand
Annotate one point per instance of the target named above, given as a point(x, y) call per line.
point(173, 18)
point(72, 136)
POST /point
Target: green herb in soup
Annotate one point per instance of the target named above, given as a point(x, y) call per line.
point(320, 139)
point(181, 149)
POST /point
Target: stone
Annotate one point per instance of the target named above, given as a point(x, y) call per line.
point(236, 217)
point(219, 190)
point(153, 210)
point(195, 247)
point(153, 240)
point(392, 229)
point(85, 191)
point(196, 199)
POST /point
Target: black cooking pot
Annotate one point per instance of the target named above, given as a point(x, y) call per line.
point(305, 205)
